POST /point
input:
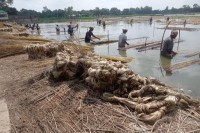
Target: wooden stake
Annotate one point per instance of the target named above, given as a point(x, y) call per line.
point(179, 38)
point(164, 34)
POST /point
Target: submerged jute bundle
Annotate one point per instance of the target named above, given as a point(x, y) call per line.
point(6, 29)
point(148, 97)
point(7, 25)
point(38, 51)
point(21, 34)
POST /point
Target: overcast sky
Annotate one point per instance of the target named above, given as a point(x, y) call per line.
point(91, 4)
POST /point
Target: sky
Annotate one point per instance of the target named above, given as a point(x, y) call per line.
point(78, 5)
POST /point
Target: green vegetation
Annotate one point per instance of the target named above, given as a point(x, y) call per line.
point(4, 3)
point(59, 15)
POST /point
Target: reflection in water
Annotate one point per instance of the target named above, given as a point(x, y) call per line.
point(145, 63)
point(71, 38)
point(104, 28)
point(38, 32)
point(57, 32)
point(166, 62)
point(123, 53)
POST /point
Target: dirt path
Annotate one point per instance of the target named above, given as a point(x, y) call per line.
point(8, 75)
point(13, 71)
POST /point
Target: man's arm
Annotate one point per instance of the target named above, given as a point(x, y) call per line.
point(125, 38)
point(75, 26)
point(126, 43)
point(95, 36)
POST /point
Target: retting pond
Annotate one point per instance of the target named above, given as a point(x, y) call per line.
point(146, 63)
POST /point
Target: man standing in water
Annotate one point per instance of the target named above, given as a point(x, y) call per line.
point(168, 44)
point(57, 28)
point(122, 39)
point(89, 34)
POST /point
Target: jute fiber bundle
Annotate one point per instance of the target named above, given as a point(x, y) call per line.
point(6, 29)
point(21, 34)
point(65, 66)
point(148, 97)
point(7, 25)
point(38, 51)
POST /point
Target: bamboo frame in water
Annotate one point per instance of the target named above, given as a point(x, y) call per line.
point(192, 54)
point(180, 28)
point(182, 64)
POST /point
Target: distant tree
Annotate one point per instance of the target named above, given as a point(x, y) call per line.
point(28, 12)
point(96, 11)
point(146, 10)
point(132, 10)
point(45, 9)
point(10, 10)
point(166, 9)
point(104, 11)
point(126, 11)
point(4, 3)
point(137, 10)
point(85, 13)
point(115, 11)
point(173, 10)
point(68, 11)
point(196, 8)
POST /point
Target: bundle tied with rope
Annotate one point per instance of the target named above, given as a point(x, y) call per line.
point(148, 97)
point(6, 29)
point(38, 51)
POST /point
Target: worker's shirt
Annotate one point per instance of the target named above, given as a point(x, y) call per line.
point(167, 46)
point(122, 40)
point(57, 28)
point(70, 29)
point(88, 36)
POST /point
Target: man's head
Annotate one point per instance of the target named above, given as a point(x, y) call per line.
point(91, 28)
point(124, 30)
point(174, 34)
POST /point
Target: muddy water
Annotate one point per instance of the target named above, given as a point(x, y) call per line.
point(147, 63)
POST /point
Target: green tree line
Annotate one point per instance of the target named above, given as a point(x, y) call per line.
point(67, 12)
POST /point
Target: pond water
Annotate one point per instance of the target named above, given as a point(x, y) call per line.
point(147, 63)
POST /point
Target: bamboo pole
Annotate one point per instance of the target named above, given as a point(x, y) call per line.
point(192, 54)
point(164, 34)
point(182, 64)
point(179, 39)
point(108, 44)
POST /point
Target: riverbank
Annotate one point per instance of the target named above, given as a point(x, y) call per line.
point(109, 18)
point(38, 103)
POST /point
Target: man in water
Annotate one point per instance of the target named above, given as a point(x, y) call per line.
point(57, 28)
point(150, 20)
point(89, 34)
point(168, 44)
point(71, 29)
point(122, 39)
point(167, 18)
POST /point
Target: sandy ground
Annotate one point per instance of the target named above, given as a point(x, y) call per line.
point(13, 71)
point(9, 74)
point(31, 102)
point(38, 104)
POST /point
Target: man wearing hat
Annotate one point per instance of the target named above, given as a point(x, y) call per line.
point(168, 44)
point(89, 34)
point(122, 39)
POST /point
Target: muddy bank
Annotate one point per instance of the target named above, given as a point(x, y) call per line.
point(38, 103)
